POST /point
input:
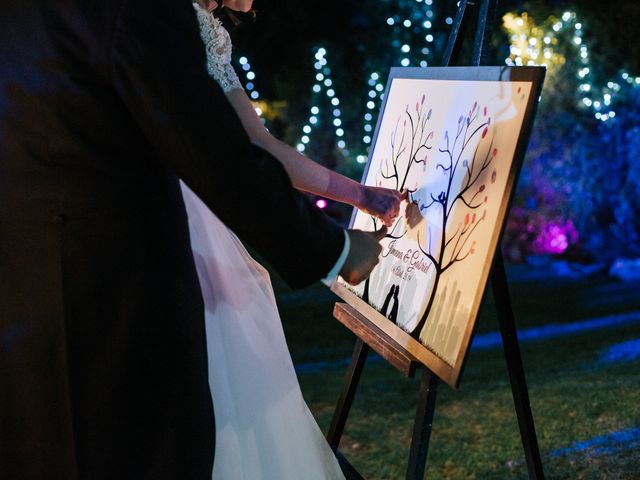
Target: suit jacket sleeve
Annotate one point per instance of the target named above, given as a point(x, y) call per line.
point(158, 69)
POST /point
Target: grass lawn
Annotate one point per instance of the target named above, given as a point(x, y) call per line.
point(586, 408)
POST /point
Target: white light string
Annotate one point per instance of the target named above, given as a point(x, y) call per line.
point(597, 99)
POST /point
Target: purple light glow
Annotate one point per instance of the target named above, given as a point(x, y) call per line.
point(555, 238)
point(321, 203)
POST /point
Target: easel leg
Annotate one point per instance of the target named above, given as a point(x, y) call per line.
point(343, 407)
point(482, 41)
point(453, 42)
point(516, 369)
point(422, 426)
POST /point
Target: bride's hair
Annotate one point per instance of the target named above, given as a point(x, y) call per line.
point(231, 18)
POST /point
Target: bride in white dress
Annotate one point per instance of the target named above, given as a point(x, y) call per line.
point(264, 429)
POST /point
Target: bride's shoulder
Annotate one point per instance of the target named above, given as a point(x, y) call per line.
point(211, 28)
point(205, 17)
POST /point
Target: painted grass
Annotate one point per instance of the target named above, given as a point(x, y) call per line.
point(577, 394)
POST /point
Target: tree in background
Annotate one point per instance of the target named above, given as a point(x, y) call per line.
point(574, 196)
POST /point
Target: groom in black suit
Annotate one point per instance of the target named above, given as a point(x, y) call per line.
point(104, 104)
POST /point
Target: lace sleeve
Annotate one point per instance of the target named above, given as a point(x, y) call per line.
point(225, 75)
point(218, 47)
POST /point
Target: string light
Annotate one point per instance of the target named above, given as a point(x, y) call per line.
point(324, 84)
point(410, 29)
point(526, 49)
point(249, 85)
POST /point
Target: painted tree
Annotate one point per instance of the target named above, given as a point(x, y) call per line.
point(464, 158)
point(456, 242)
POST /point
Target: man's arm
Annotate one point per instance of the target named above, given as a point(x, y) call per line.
point(158, 69)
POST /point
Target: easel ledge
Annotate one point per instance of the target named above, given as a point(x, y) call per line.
point(376, 338)
point(364, 316)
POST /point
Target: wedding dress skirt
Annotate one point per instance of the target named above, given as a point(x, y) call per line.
point(264, 429)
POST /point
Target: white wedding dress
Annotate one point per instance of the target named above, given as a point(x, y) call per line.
point(264, 429)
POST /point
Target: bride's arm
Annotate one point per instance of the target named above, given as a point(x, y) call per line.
point(308, 175)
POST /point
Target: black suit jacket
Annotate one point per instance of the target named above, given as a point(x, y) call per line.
point(103, 105)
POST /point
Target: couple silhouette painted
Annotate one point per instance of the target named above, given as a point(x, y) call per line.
point(390, 310)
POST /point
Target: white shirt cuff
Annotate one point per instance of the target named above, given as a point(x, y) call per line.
point(335, 271)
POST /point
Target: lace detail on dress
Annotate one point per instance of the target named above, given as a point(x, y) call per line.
point(217, 44)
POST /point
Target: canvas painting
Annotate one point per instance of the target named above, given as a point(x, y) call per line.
point(454, 139)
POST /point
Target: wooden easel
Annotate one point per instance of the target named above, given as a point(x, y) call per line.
point(370, 336)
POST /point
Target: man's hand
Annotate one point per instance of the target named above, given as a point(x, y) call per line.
point(363, 254)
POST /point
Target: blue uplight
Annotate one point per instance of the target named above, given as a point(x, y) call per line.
point(491, 340)
point(622, 352)
point(609, 443)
